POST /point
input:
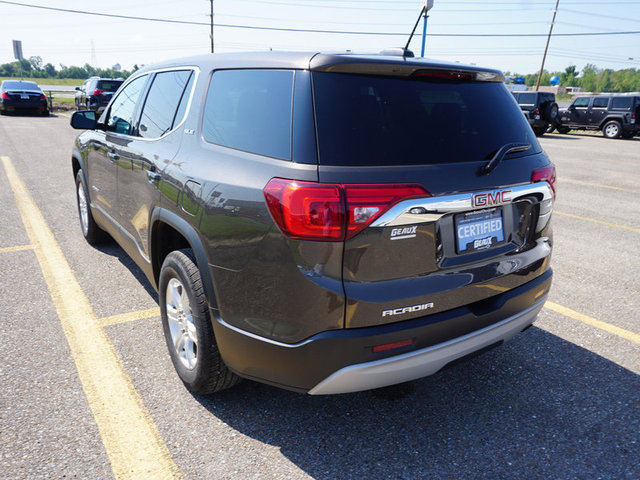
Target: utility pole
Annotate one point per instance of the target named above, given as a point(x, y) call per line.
point(544, 57)
point(211, 34)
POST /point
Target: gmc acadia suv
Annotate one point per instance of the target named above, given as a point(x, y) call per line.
point(322, 223)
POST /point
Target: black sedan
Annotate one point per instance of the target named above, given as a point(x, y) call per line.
point(16, 95)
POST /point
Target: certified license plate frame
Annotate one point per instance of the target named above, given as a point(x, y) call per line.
point(482, 233)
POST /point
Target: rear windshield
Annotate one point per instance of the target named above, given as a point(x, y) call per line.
point(109, 85)
point(20, 85)
point(527, 98)
point(366, 120)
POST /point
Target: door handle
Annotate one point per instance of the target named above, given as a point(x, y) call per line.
point(113, 157)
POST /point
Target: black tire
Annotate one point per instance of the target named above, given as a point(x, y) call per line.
point(206, 373)
point(563, 129)
point(539, 131)
point(551, 113)
point(612, 129)
point(92, 233)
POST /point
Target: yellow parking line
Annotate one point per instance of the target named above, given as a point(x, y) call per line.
point(607, 327)
point(131, 439)
point(592, 184)
point(130, 317)
point(593, 220)
point(18, 248)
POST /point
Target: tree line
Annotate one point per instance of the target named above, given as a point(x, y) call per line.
point(34, 67)
point(590, 78)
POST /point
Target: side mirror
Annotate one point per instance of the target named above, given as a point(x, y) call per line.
point(77, 88)
point(572, 107)
point(84, 120)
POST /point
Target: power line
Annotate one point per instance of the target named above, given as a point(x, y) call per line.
point(302, 30)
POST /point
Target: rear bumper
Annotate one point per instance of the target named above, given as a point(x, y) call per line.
point(427, 361)
point(340, 361)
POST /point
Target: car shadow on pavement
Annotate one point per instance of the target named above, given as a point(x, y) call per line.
point(537, 407)
point(110, 247)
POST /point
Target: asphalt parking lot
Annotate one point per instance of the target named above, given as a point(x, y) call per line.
point(89, 392)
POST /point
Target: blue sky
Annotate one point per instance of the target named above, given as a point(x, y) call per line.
point(76, 39)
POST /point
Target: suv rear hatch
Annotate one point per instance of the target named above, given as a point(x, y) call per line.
point(409, 145)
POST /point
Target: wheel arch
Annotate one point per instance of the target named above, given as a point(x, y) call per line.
point(617, 118)
point(77, 164)
point(171, 232)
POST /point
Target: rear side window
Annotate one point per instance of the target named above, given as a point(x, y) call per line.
point(159, 111)
point(367, 120)
point(250, 110)
point(621, 103)
point(600, 102)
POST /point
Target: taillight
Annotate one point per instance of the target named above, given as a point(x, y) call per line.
point(331, 212)
point(545, 174)
point(43, 96)
point(537, 111)
point(97, 91)
point(5, 96)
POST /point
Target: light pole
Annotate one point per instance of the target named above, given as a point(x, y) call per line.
point(428, 5)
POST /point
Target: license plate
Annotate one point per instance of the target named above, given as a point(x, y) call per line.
point(24, 97)
point(479, 230)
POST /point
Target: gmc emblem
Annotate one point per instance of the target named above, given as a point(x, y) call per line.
point(489, 199)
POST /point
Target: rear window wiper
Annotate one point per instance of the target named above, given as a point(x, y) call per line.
point(500, 154)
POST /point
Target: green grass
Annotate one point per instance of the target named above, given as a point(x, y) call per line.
point(73, 82)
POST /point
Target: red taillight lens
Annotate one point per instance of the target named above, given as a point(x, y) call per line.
point(633, 115)
point(306, 210)
point(43, 96)
point(331, 212)
point(97, 91)
point(5, 96)
point(545, 174)
point(365, 203)
point(537, 111)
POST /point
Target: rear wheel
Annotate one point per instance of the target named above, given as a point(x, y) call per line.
point(612, 129)
point(551, 113)
point(187, 326)
point(90, 230)
point(539, 131)
point(563, 129)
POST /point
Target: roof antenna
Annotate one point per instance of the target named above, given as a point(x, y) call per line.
point(408, 52)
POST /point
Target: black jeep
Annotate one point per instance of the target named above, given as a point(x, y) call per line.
point(540, 108)
point(615, 115)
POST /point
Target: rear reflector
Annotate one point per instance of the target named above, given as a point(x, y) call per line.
point(545, 174)
point(392, 346)
point(331, 212)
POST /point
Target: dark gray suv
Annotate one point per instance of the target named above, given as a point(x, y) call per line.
point(322, 223)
